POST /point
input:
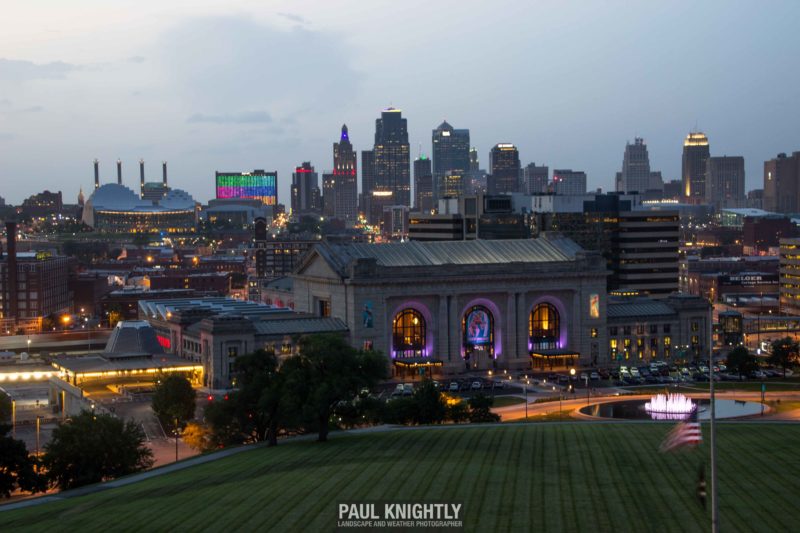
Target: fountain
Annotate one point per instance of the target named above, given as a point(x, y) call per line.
point(669, 406)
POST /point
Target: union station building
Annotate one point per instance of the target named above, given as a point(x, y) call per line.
point(447, 307)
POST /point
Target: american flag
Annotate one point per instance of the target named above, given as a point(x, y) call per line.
point(686, 433)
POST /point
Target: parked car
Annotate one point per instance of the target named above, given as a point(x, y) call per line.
point(408, 389)
point(604, 374)
point(594, 376)
point(499, 384)
point(398, 390)
point(758, 374)
point(453, 386)
point(476, 385)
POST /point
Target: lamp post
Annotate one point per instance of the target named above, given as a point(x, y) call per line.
point(587, 389)
point(37, 435)
point(14, 418)
point(29, 344)
point(527, 382)
point(176, 439)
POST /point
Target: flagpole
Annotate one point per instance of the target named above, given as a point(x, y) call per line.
point(714, 502)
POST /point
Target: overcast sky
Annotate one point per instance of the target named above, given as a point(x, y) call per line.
point(246, 84)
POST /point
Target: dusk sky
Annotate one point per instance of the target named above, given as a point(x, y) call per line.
point(238, 85)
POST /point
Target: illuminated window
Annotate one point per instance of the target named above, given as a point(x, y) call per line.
point(408, 333)
point(544, 325)
point(612, 347)
point(594, 333)
point(695, 326)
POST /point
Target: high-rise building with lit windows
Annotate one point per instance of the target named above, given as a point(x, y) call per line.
point(696, 152)
point(450, 152)
point(340, 188)
point(305, 190)
point(392, 163)
point(504, 169)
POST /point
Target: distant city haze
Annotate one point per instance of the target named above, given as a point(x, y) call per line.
point(245, 85)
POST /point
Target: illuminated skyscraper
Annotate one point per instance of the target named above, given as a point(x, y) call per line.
point(695, 161)
point(392, 163)
point(504, 169)
point(341, 187)
point(305, 190)
point(450, 152)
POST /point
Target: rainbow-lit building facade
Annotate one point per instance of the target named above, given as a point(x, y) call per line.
point(256, 185)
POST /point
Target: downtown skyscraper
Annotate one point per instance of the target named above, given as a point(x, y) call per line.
point(450, 153)
point(386, 168)
point(341, 187)
point(725, 182)
point(636, 175)
point(694, 165)
point(504, 169)
point(423, 185)
point(305, 190)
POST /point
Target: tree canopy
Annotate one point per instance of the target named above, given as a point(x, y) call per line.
point(784, 353)
point(89, 448)
point(741, 361)
point(327, 370)
point(17, 467)
point(173, 399)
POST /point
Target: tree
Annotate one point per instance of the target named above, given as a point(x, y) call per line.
point(174, 399)
point(221, 417)
point(17, 467)
point(480, 409)
point(5, 407)
point(430, 405)
point(198, 437)
point(260, 400)
point(458, 412)
point(326, 371)
point(784, 353)
point(89, 448)
point(742, 361)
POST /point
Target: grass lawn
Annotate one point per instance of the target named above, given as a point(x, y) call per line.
point(551, 477)
point(505, 401)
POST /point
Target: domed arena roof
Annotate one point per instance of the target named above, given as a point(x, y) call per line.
point(177, 199)
point(115, 197)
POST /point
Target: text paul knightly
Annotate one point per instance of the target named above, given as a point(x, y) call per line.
point(399, 515)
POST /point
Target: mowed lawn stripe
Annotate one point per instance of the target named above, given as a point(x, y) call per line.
point(588, 477)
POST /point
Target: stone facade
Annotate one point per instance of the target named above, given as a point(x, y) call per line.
point(369, 292)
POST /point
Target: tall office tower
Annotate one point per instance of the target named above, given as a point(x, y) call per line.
point(782, 184)
point(504, 169)
point(695, 161)
point(474, 163)
point(392, 164)
point(567, 182)
point(367, 178)
point(423, 185)
point(341, 188)
point(450, 152)
point(636, 175)
point(725, 182)
point(305, 190)
point(535, 179)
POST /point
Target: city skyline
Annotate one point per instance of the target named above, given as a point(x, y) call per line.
point(73, 90)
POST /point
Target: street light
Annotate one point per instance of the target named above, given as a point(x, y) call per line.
point(527, 382)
